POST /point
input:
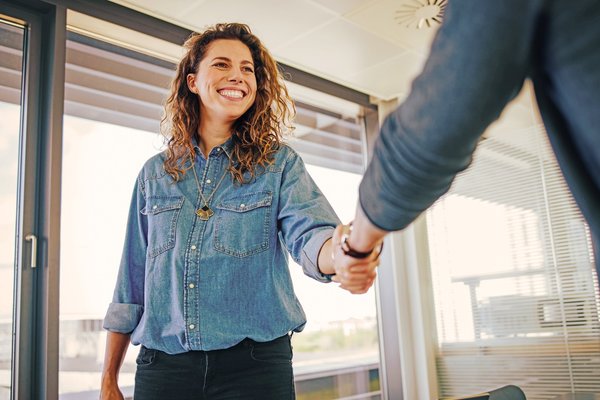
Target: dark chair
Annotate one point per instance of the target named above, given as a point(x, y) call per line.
point(509, 392)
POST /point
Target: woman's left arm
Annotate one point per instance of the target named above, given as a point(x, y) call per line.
point(305, 219)
point(307, 222)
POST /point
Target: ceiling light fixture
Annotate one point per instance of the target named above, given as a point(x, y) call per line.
point(419, 13)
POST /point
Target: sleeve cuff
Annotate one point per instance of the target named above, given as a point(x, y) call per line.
point(364, 199)
point(310, 255)
point(122, 318)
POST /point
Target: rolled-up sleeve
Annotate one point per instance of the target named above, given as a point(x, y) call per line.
point(127, 306)
point(306, 218)
point(122, 318)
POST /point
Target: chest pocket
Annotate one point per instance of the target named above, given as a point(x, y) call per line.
point(163, 213)
point(243, 224)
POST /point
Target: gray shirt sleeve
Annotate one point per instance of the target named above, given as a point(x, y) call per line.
point(478, 61)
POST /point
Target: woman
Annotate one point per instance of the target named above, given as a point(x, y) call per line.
point(204, 284)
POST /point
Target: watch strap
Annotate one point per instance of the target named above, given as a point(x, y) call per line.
point(348, 250)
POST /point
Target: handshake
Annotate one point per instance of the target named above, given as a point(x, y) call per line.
point(355, 270)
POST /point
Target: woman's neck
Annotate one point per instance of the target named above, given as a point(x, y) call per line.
point(212, 135)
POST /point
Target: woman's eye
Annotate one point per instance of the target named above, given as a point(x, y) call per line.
point(249, 69)
point(220, 65)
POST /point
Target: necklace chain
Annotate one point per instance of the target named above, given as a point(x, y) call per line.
point(205, 212)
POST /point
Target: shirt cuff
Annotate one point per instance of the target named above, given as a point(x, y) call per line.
point(122, 318)
point(310, 255)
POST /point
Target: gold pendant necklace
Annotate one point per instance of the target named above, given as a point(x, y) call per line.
point(204, 212)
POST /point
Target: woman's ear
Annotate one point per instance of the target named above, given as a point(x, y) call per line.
point(191, 83)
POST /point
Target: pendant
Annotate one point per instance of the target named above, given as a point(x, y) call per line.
point(204, 213)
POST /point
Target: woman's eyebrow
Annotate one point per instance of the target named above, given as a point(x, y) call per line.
point(229, 60)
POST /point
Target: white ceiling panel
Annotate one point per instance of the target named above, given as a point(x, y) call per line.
point(269, 19)
point(338, 50)
point(165, 10)
point(341, 7)
point(396, 21)
point(391, 78)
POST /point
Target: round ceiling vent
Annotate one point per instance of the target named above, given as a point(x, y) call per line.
point(421, 13)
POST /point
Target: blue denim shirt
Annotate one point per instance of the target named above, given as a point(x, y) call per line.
point(479, 59)
point(187, 284)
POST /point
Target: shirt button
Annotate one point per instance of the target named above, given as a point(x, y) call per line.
point(192, 286)
point(154, 207)
point(193, 247)
point(218, 149)
point(242, 205)
point(208, 181)
point(192, 326)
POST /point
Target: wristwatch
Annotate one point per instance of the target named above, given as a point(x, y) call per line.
point(349, 251)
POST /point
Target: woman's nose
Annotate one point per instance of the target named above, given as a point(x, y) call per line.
point(236, 75)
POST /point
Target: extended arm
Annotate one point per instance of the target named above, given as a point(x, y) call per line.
point(478, 62)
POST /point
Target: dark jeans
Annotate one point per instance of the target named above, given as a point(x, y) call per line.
point(249, 370)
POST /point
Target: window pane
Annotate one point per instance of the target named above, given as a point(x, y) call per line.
point(337, 354)
point(513, 277)
point(100, 165)
point(11, 58)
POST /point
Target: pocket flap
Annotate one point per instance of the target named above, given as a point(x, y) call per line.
point(157, 204)
point(247, 202)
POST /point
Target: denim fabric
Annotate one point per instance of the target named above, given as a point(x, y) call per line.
point(187, 284)
point(248, 371)
point(479, 59)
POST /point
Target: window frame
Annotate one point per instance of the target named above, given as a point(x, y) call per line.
point(38, 199)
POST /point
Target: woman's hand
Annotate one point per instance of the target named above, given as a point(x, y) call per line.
point(110, 391)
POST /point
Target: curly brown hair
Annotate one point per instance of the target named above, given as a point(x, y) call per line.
point(256, 135)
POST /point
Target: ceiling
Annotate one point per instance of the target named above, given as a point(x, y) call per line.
point(373, 46)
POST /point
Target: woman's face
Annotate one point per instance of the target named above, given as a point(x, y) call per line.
point(225, 81)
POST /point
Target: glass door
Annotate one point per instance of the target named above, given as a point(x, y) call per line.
point(11, 62)
point(31, 65)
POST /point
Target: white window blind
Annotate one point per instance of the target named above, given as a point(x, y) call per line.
point(516, 295)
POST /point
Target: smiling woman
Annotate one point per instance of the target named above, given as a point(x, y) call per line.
point(204, 285)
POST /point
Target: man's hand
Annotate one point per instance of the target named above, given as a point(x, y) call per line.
point(356, 275)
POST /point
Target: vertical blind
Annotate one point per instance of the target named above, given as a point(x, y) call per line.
point(516, 294)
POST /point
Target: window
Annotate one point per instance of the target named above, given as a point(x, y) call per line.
point(512, 266)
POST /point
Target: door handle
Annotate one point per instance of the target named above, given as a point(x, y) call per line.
point(33, 239)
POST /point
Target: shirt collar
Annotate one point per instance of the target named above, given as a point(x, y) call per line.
point(226, 147)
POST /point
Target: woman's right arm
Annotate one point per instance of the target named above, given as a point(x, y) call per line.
point(116, 348)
